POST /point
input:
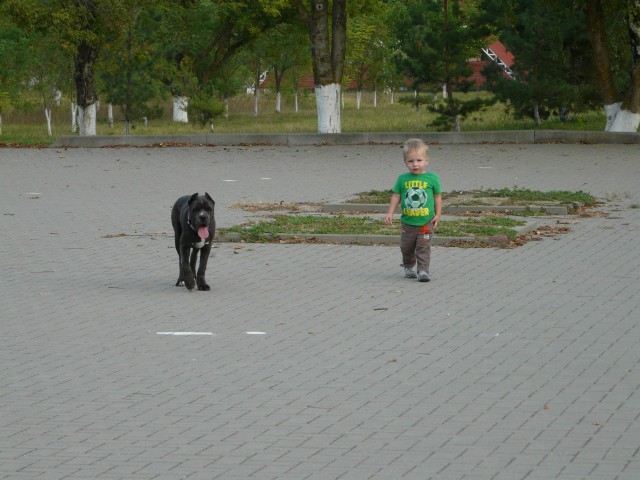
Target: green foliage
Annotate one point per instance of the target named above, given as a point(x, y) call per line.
point(369, 54)
point(204, 107)
point(437, 38)
point(617, 37)
point(455, 107)
point(552, 60)
point(130, 62)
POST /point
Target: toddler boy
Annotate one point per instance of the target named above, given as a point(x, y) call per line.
point(419, 193)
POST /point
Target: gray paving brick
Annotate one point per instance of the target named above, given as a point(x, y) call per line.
point(519, 363)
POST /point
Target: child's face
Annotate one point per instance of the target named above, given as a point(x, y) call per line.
point(417, 160)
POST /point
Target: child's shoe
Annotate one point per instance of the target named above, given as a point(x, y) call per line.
point(423, 276)
point(410, 273)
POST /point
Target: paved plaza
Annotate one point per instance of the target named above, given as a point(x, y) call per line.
point(312, 361)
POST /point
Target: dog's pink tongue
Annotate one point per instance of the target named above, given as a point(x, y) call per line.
point(203, 232)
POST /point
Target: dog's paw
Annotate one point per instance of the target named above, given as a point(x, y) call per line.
point(180, 283)
point(189, 283)
point(202, 283)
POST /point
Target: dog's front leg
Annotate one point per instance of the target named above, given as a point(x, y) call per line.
point(186, 272)
point(193, 259)
point(204, 258)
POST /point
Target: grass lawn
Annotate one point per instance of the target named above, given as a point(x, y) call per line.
point(29, 128)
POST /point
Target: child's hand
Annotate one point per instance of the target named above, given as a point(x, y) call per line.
point(434, 221)
point(393, 205)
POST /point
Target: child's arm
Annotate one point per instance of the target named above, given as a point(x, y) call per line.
point(437, 203)
point(393, 204)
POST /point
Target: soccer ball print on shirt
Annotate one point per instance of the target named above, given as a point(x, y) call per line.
point(415, 198)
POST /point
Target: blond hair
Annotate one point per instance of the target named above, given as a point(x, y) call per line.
point(414, 144)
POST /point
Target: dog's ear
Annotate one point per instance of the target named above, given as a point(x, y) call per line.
point(193, 197)
point(209, 197)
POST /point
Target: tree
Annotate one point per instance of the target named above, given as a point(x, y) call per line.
point(369, 57)
point(175, 42)
point(296, 73)
point(284, 48)
point(14, 43)
point(212, 33)
point(79, 27)
point(437, 38)
point(221, 28)
point(552, 65)
point(84, 25)
point(48, 73)
point(326, 22)
point(362, 43)
point(130, 61)
point(609, 22)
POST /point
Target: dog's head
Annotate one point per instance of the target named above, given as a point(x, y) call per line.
point(201, 215)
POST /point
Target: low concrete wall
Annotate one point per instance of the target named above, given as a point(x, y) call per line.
point(576, 136)
point(502, 136)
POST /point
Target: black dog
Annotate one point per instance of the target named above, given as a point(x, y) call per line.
point(194, 226)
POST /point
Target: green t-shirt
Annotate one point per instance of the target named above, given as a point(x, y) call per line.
point(416, 197)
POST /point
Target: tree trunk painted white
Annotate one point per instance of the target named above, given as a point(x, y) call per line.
point(536, 115)
point(444, 91)
point(456, 123)
point(358, 99)
point(180, 105)
point(295, 101)
point(58, 97)
point(212, 127)
point(328, 105)
point(256, 100)
point(110, 114)
point(625, 121)
point(278, 101)
point(47, 114)
point(391, 96)
point(375, 98)
point(611, 112)
point(226, 107)
point(74, 118)
point(87, 120)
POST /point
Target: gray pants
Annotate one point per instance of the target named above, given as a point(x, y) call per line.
point(415, 247)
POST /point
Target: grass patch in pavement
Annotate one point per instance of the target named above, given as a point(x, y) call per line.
point(520, 195)
point(505, 196)
point(480, 227)
point(351, 225)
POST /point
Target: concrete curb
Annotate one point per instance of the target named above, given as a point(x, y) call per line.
point(292, 139)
